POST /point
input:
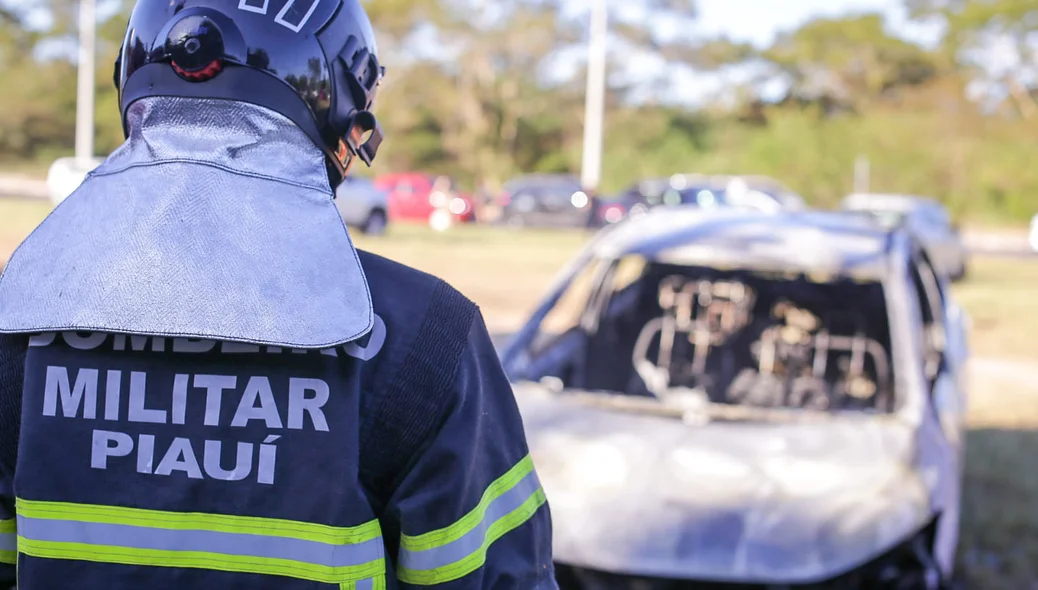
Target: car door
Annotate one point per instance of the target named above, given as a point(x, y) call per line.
point(576, 204)
point(524, 207)
point(941, 242)
point(407, 193)
point(552, 204)
point(553, 342)
point(941, 434)
point(351, 200)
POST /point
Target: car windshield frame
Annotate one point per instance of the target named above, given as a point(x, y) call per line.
point(600, 293)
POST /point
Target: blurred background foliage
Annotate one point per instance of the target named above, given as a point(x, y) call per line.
point(481, 91)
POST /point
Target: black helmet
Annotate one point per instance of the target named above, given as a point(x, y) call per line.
point(313, 61)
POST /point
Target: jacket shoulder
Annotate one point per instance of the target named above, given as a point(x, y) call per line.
point(427, 333)
point(402, 293)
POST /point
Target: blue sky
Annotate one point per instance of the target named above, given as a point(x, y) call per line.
point(758, 20)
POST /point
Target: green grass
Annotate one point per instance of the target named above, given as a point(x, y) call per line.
point(998, 548)
point(17, 218)
point(999, 538)
point(31, 168)
point(1001, 296)
point(503, 271)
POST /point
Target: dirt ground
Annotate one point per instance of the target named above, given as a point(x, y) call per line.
point(506, 271)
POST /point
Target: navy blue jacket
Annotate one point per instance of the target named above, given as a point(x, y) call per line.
point(396, 461)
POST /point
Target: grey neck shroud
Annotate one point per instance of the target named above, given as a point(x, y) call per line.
point(214, 220)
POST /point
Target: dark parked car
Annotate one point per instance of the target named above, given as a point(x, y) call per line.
point(545, 200)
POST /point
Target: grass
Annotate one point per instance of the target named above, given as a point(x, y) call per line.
point(30, 168)
point(484, 263)
point(17, 218)
point(506, 271)
point(1000, 296)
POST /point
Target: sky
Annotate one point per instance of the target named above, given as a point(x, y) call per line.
point(757, 21)
point(771, 17)
point(753, 21)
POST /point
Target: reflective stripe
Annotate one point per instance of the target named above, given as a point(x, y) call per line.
point(452, 552)
point(376, 583)
point(132, 536)
point(8, 542)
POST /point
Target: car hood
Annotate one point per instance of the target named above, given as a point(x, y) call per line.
point(725, 501)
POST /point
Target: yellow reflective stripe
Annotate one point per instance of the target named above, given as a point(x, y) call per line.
point(476, 559)
point(8, 541)
point(197, 559)
point(475, 516)
point(241, 544)
point(224, 523)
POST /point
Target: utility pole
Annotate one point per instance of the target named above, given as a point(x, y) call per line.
point(861, 174)
point(594, 98)
point(85, 82)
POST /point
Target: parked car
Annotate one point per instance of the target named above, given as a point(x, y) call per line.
point(429, 198)
point(553, 200)
point(733, 397)
point(758, 193)
point(926, 217)
point(66, 174)
point(363, 205)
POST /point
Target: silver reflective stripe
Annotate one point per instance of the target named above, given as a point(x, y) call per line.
point(243, 544)
point(8, 542)
point(472, 541)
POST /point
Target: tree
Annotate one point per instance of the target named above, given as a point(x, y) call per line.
point(849, 62)
point(996, 39)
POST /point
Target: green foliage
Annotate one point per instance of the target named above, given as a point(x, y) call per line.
point(852, 59)
point(486, 115)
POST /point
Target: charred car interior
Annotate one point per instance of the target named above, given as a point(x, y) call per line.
point(766, 340)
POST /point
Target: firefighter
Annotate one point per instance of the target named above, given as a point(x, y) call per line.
point(203, 384)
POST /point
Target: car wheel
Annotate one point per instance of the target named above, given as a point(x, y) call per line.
point(376, 223)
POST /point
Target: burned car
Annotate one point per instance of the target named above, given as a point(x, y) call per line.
point(739, 400)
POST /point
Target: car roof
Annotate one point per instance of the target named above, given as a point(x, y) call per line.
point(753, 181)
point(803, 241)
point(898, 202)
point(543, 178)
point(722, 182)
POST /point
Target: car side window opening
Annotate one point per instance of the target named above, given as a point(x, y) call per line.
point(618, 293)
point(671, 197)
point(568, 311)
point(702, 197)
point(927, 291)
